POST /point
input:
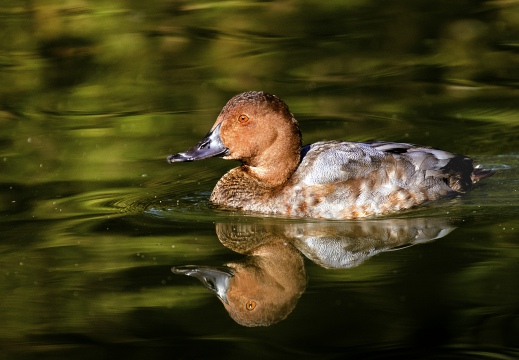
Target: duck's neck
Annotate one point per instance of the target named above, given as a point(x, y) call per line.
point(274, 166)
point(272, 176)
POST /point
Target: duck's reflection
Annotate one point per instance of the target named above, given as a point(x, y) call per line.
point(263, 288)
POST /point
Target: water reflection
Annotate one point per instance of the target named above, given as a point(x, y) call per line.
point(263, 288)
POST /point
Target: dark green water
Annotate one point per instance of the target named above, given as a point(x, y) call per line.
point(95, 95)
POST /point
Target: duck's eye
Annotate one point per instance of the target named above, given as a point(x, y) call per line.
point(250, 305)
point(243, 119)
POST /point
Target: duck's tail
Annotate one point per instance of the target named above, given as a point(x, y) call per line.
point(461, 174)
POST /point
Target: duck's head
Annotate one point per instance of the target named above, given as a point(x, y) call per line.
point(257, 129)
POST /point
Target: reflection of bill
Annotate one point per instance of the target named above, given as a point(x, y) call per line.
point(263, 288)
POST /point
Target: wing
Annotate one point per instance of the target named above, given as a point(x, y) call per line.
point(401, 163)
point(330, 162)
point(433, 165)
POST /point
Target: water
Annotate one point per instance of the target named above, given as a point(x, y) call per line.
point(94, 97)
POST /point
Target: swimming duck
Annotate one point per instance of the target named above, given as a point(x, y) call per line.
point(327, 179)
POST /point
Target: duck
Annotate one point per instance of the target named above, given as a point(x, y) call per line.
point(324, 180)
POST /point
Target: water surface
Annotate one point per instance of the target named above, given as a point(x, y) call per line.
point(95, 96)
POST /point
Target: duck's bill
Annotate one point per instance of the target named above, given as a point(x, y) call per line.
point(210, 146)
point(216, 279)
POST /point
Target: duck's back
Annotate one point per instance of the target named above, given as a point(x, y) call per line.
point(337, 179)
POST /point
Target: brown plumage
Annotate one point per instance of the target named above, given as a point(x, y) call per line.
point(331, 179)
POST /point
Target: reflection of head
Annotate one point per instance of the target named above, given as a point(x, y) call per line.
point(268, 283)
point(262, 289)
point(265, 289)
